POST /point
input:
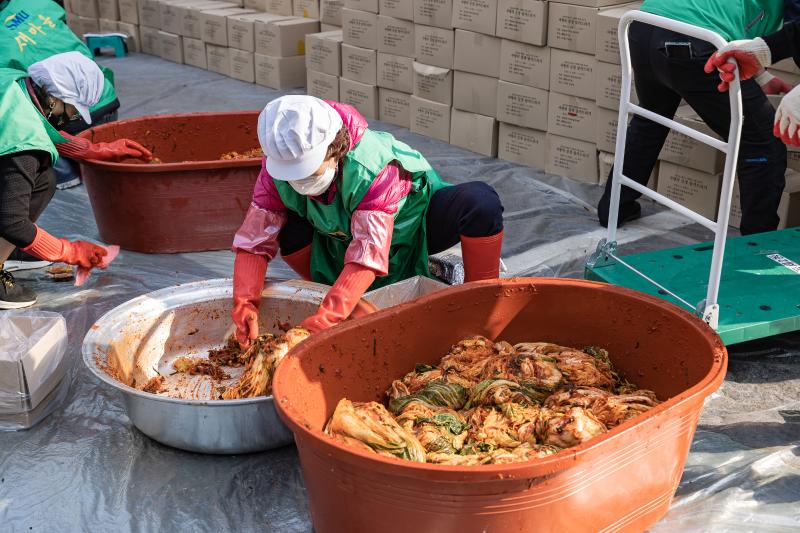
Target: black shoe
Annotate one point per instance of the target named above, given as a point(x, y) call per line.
point(627, 213)
point(12, 294)
point(20, 260)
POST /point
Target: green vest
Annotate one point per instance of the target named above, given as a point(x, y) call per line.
point(37, 29)
point(22, 127)
point(732, 19)
point(408, 255)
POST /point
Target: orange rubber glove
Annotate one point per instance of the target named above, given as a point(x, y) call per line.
point(80, 148)
point(248, 282)
point(81, 253)
point(340, 301)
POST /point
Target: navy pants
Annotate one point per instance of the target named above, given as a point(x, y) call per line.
point(471, 209)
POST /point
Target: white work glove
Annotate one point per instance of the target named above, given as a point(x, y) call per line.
point(752, 56)
point(772, 84)
point(787, 118)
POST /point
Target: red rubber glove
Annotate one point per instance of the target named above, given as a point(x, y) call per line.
point(752, 56)
point(340, 301)
point(772, 84)
point(248, 282)
point(81, 253)
point(80, 148)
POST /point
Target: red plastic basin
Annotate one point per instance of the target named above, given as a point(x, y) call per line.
point(191, 202)
point(621, 481)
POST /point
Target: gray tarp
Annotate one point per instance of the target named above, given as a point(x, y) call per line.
point(87, 468)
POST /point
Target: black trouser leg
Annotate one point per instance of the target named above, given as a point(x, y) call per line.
point(295, 235)
point(471, 209)
point(27, 184)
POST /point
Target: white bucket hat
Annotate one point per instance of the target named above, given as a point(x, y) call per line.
point(72, 78)
point(295, 132)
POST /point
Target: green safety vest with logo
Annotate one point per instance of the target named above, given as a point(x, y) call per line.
point(22, 126)
point(33, 30)
point(408, 255)
point(732, 19)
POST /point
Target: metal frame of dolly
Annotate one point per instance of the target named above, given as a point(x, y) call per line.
point(606, 251)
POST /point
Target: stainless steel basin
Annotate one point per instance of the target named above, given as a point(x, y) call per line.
point(126, 345)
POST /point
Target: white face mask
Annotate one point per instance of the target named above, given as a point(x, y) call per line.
point(314, 185)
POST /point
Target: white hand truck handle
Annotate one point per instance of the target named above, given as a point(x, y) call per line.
point(709, 308)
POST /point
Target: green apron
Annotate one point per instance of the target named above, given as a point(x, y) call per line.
point(22, 127)
point(37, 29)
point(733, 19)
point(408, 255)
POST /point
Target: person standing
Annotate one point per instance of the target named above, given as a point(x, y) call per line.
point(669, 67)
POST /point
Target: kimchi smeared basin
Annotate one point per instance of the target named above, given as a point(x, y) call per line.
point(621, 480)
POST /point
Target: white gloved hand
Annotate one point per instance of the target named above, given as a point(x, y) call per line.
point(772, 84)
point(787, 118)
point(752, 56)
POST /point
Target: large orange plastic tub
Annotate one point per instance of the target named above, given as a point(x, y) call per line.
point(621, 481)
point(191, 202)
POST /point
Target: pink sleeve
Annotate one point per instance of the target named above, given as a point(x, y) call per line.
point(390, 186)
point(265, 194)
point(259, 232)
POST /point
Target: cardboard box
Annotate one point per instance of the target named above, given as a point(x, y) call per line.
point(525, 64)
point(306, 8)
point(359, 64)
point(215, 24)
point(242, 65)
point(324, 52)
point(108, 9)
point(171, 47)
point(281, 72)
point(608, 78)
point(606, 123)
point(321, 85)
point(132, 31)
point(434, 46)
point(475, 93)
point(786, 65)
point(431, 119)
point(477, 53)
point(571, 27)
point(149, 13)
point(699, 191)
point(273, 7)
point(573, 117)
point(399, 9)
point(395, 73)
point(475, 15)
point(606, 38)
point(474, 132)
point(359, 95)
point(218, 59)
point(522, 145)
point(329, 27)
point(685, 151)
point(109, 26)
point(437, 13)
point(27, 378)
point(605, 162)
point(283, 38)
point(573, 73)
point(191, 16)
point(331, 12)
point(89, 25)
point(360, 28)
point(523, 21)
point(172, 15)
point(433, 83)
point(194, 53)
point(571, 158)
point(362, 5)
point(394, 107)
point(395, 36)
point(522, 105)
point(151, 42)
point(87, 8)
point(242, 29)
point(592, 3)
point(129, 11)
